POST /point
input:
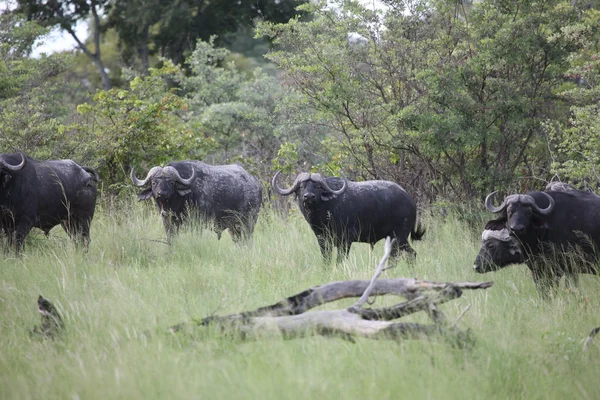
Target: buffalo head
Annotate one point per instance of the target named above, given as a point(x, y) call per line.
point(6, 168)
point(165, 183)
point(520, 210)
point(311, 189)
point(499, 248)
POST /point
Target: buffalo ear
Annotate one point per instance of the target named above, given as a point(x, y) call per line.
point(327, 196)
point(495, 225)
point(145, 194)
point(182, 190)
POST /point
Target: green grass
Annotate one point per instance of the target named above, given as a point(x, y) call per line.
point(129, 282)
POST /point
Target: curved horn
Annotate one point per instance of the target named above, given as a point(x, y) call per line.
point(168, 170)
point(490, 206)
point(153, 172)
point(547, 210)
point(319, 178)
point(304, 176)
point(13, 167)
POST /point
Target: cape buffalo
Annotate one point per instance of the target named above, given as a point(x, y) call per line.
point(225, 196)
point(44, 194)
point(555, 233)
point(341, 212)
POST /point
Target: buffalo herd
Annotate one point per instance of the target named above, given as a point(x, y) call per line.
point(555, 232)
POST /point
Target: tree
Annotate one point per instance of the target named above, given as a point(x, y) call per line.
point(34, 114)
point(139, 125)
point(446, 97)
point(238, 111)
point(65, 14)
point(171, 28)
point(576, 142)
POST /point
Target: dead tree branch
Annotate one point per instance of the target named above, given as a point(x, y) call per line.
point(386, 254)
point(289, 318)
point(591, 336)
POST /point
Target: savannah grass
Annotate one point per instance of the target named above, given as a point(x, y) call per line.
point(131, 283)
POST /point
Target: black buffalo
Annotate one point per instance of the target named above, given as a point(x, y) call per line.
point(341, 212)
point(43, 194)
point(555, 233)
point(225, 196)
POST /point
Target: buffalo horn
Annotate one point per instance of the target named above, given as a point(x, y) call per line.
point(547, 210)
point(319, 179)
point(490, 206)
point(304, 176)
point(168, 170)
point(13, 167)
point(153, 172)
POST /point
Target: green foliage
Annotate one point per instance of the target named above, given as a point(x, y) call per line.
point(448, 96)
point(577, 141)
point(236, 110)
point(34, 116)
point(287, 157)
point(139, 126)
point(172, 28)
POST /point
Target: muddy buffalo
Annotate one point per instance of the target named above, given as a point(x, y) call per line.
point(43, 194)
point(341, 212)
point(224, 196)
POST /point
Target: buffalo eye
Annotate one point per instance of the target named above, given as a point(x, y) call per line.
point(489, 245)
point(154, 183)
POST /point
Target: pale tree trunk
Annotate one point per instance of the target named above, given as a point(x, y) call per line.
point(96, 55)
point(143, 50)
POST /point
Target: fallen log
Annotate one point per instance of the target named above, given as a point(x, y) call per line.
point(52, 324)
point(289, 318)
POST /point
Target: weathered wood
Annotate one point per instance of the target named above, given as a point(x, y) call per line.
point(289, 319)
point(421, 303)
point(591, 336)
point(379, 270)
point(52, 323)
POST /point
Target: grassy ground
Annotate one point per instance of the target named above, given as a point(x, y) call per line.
point(129, 282)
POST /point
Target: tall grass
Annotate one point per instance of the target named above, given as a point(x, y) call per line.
point(130, 282)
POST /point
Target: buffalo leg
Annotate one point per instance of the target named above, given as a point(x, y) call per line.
point(171, 224)
point(398, 246)
point(247, 226)
point(82, 233)
point(243, 231)
point(78, 230)
point(18, 236)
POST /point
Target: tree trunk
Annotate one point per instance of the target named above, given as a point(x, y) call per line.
point(143, 49)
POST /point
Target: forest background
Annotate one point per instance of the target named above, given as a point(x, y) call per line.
point(451, 99)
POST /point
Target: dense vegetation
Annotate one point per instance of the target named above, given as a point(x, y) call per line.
point(451, 99)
